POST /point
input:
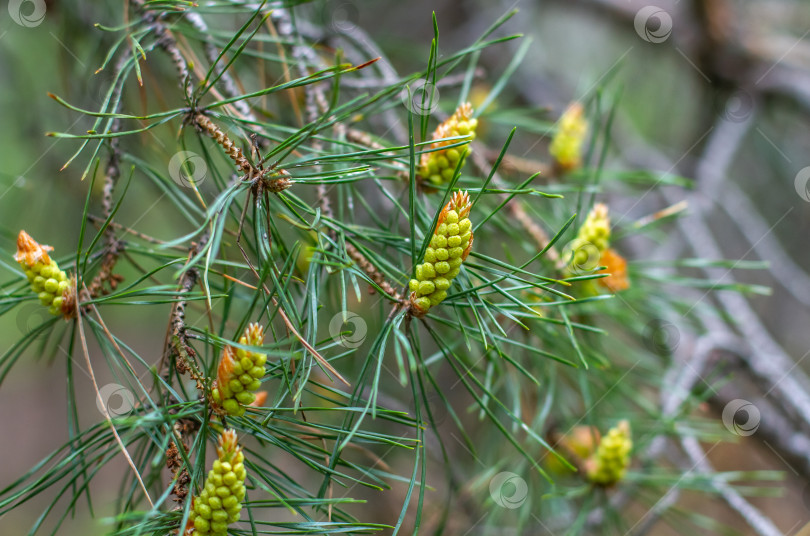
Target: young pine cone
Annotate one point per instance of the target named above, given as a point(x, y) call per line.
point(609, 464)
point(220, 501)
point(566, 146)
point(591, 249)
point(49, 282)
point(592, 240)
point(438, 166)
point(239, 373)
point(449, 246)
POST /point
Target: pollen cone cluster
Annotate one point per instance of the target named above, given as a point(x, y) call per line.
point(49, 282)
point(578, 444)
point(438, 167)
point(566, 146)
point(592, 240)
point(239, 373)
point(449, 246)
point(609, 464)
point(220, 501)
point(591, 249)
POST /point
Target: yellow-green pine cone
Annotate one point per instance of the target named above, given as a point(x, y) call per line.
point(609, 464)
point(593, 239)
point(49, 283)
point(438, 166)
point(566, 146)
point(239, 374)
point(220, 501)
point(596, 229)
point(449, 246)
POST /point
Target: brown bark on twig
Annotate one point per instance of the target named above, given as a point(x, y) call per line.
point(316, 104)
point(234, 152)
point(178, 341)
point(271, 180)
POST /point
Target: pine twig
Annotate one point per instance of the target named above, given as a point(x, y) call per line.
point(112, 173)
point(211, 53)
point(540, 237)
point(282, 179)
point(233, 152)
point(168, 43)
point(363, 138)
point(316, 104)
point(755, 519)
point(177, 339)
point(372, 272)
point(516, 164)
